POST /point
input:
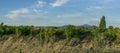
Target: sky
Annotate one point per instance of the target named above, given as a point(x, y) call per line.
point(59, 12)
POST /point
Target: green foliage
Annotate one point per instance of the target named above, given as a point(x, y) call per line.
point(51, 32)
point(117, 32)
point(102, 24)
point(72, 31)
point(110, 27)
point(110, 34)
point(59, 32)
point(1, 30)
point(6, 30)
point(23, 30)
point(95, 32)
point(17, 32)
point(100, 35)
point(98, 43)
point(2, 24)
point(42, 37)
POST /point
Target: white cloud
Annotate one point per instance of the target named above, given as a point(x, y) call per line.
point(25, 13)
point(40, 3)
point(58, 3)
point(16, 13)
point(34, 12)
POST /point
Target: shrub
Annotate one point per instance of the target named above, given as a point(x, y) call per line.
point(72, 31)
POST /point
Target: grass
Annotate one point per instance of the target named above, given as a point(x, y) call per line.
point(29, 44)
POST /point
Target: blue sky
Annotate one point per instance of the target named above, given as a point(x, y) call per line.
point(59, 12)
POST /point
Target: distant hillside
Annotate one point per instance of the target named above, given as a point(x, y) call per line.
point(87, 26)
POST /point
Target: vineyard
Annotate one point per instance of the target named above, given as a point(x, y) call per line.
point(69, 39)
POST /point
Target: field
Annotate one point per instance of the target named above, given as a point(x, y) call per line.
point(29, 44)
point(69, 39)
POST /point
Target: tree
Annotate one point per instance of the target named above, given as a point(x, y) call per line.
point(102, 24)
point(2, 24)
point(111, 27)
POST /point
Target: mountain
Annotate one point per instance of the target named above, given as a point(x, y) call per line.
point(87, 26)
